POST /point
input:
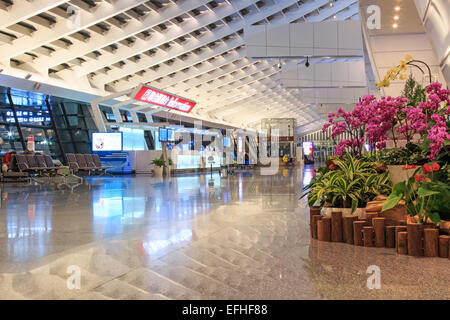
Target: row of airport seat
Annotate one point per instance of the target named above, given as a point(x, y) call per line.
point(43, 164)
point(89, 163)
point(36, 163)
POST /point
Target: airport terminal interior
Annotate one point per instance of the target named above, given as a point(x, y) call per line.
point(225, 149)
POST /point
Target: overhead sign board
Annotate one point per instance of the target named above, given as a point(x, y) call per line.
point(163, 99)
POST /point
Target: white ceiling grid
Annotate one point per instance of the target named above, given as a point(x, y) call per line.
point(193, 48)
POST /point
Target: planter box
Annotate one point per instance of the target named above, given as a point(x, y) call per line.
point(445, 226)
point(397, 173)
point(158, 171)
point(361, 212)
point(394, 216)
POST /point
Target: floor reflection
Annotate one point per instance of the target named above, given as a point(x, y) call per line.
point(39, 220)
point(188, 237)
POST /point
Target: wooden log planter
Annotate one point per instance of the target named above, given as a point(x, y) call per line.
point(402, 242)
point(412, 239)
point(336, 226)
point(397, 230)
point(357, 232)
point(368, 233)
point(444, 249)
point(315, 218)
point(390, 236)
point(415, 234)
point(347, 227)
point(371, 216)
point(313, 211)
point(380, 239)
point(431, 242)
point(324, 229)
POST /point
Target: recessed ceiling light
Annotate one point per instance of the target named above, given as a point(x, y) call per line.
point(396, 17)
point(334, 17)
point(395, 26)
point(397, 8)
point(331, 4)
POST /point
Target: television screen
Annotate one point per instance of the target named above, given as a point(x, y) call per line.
point(163, 135)
point(107, 141)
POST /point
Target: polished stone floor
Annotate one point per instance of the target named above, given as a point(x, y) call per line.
point(190, 237)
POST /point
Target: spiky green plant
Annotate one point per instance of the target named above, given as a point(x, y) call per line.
point(352, 184)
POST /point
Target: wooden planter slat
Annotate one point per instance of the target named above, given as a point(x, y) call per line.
point(324, 229)
point(431, 242)
point(313, 211)
point(397, 230)
point(402, 242)
point(371, 215)
point(444, 246)
point(347, 227)
point(415, 234)
point(390, 236)
point(336, 226)
point(357, 232)
point(378, 224)
point(314, 230)
point(368, 236)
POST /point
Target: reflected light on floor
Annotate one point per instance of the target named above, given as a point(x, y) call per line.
point(153, 246)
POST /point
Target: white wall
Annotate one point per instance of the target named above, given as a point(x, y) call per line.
point(435, 15)
point(336, 74)
point(325, 38)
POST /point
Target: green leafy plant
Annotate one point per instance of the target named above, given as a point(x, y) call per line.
point(159, 162)
point(414, 92)
point(426, 196)
point(349, 183)
point(412, 153)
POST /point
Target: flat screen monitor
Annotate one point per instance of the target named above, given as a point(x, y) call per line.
point(226, 142)
point(163, 135)
point(107, 141)
point(170, 135)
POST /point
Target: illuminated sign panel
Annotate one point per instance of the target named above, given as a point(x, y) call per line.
point(107, 141)
point(308, 148)
point(163, 99)
point(28, 117)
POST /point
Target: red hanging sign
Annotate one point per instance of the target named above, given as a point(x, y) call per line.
point(163, 99)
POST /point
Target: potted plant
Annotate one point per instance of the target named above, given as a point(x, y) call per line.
point(426, 192)
point(417, 123)
point(347, 185)
point(159, 164)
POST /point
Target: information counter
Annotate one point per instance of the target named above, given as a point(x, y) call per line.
point(182, 160)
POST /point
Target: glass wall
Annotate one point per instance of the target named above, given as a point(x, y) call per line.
point(58, 125)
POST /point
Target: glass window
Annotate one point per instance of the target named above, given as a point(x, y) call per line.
point(64, 135)
point(108, 113)
point(126, 116)
point(84, 148)
point(44, 140)
point(141, 117)
point(68, 147)
point(81, 136)
point(9, 139)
